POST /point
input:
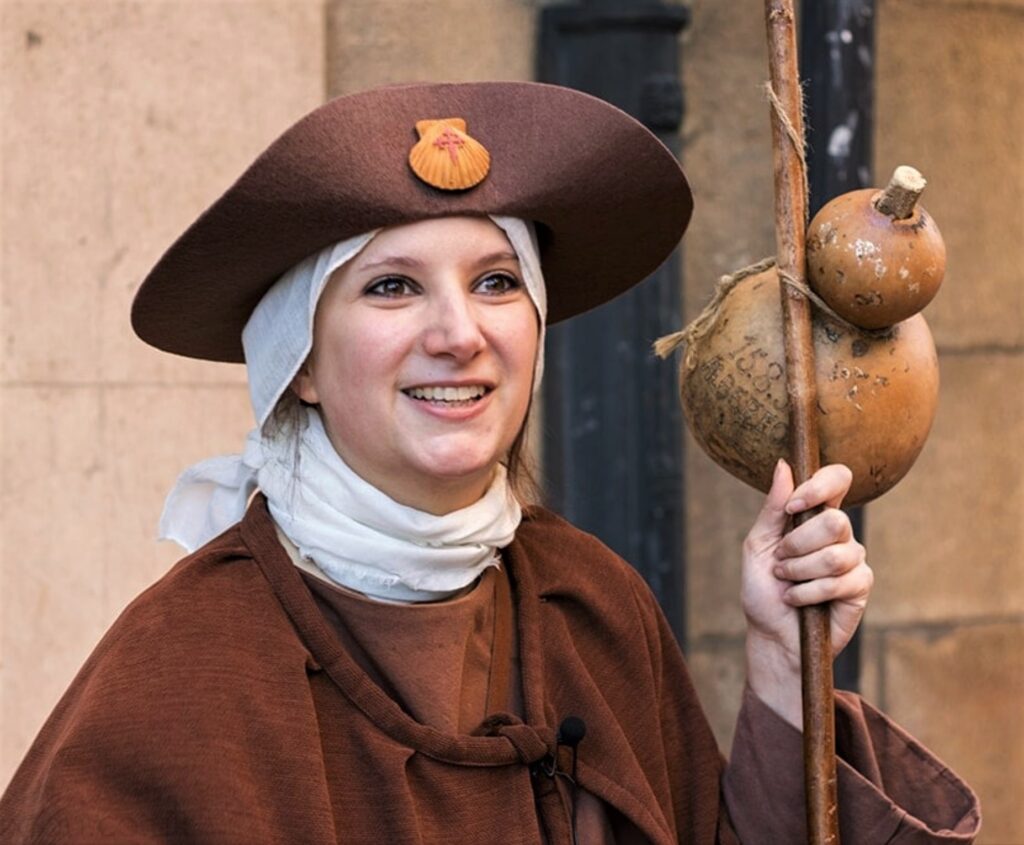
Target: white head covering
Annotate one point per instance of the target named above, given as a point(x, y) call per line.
point(384, 549)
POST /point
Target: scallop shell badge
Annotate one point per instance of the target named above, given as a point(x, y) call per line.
point(448, 158)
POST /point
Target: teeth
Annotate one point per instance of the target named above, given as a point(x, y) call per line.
point(447, 394)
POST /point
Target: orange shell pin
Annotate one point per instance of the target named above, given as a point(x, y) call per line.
point(446, 157)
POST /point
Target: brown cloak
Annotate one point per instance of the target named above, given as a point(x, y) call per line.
point(221, 708)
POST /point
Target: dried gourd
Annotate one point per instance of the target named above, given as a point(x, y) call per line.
point(877, 392)
point(876, 257)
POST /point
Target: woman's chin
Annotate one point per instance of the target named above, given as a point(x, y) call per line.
point(454, 475)
point(451, 460)
point(459, 482)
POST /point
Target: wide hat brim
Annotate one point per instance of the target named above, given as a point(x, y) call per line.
point(609, 200)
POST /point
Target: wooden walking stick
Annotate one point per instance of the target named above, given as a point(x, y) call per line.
point(790, 232)
point(742, 350)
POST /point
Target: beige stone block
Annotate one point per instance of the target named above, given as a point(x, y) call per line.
point(948, 82)
point(53, 517)
point(718, 668)
point(123, 120)
point(872, 651)
point(381, 42)
point(948, 541)
point(86, 471)
point(1003, 5)
point(961, 693)
point(719, 512)
point(152, 434)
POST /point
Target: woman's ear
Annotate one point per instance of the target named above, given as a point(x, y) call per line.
point(304, 386)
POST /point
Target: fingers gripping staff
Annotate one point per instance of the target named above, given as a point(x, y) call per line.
point(819, 561)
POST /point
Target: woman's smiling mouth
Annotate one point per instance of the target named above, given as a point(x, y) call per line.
point(448, 396)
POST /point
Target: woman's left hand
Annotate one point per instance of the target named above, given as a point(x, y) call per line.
point(819, 561)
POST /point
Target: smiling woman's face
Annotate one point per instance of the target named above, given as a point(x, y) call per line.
point(423, 359)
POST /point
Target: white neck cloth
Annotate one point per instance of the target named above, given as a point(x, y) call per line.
point(357, 535)
point(353, 532)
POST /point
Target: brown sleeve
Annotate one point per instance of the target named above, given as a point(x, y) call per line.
point(891, 788)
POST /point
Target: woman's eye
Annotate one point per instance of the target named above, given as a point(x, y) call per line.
point(391, 287)
point(497, 283)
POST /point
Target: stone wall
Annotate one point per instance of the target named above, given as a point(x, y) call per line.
point(943, 648)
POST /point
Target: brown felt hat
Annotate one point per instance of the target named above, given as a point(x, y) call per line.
point(610, 202)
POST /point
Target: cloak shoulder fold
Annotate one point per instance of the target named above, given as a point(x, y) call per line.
point(185, 697)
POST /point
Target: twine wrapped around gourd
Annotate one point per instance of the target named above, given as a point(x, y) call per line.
point(877, 390)
point(705, 321)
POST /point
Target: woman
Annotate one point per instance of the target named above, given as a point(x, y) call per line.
point(387, 647)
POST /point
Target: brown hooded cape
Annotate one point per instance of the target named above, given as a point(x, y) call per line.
point(222, 708)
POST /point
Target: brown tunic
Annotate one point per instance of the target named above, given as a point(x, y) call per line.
point(433, 659)
point(438, 661)
point(223, 707)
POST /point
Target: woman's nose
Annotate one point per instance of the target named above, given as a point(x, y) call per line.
point(454, 329)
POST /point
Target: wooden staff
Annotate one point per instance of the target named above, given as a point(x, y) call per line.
point(790, 231)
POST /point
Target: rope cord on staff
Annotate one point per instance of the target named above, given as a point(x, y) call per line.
point(795, 138)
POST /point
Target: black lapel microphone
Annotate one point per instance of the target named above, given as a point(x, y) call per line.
point(570, 734)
